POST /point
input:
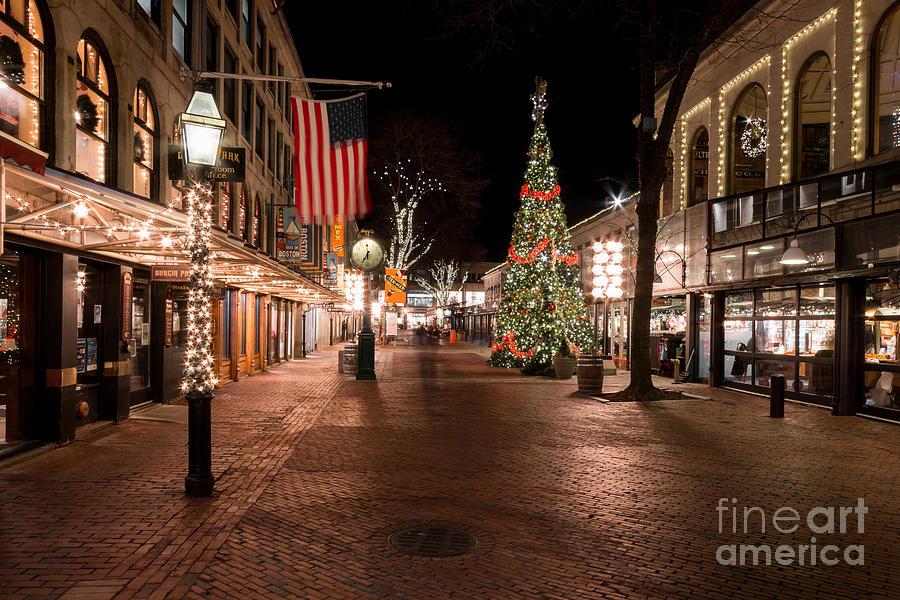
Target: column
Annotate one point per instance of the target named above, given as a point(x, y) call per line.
point(115, 401)
point(57, 407)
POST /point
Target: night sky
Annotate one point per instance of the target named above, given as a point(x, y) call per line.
point(592, 93)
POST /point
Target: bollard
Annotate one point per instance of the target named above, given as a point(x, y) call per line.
point(776, 397)
point(676, 367)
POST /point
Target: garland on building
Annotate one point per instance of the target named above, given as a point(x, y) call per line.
point(541, 305)
point(753, 140)
point(86, 113)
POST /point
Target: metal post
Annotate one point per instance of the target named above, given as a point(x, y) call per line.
point(776, 396)
point(365, 366)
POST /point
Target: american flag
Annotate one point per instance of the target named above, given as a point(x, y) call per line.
point(330, 158)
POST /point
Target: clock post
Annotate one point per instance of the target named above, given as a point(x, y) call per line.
point(365, 365)
point(367, 254)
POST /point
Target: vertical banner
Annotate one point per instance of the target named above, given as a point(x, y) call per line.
point(311, 249)
point(337, 236)
point(127, 300)
point(390, 323)
point(394, 286)
point(331, 269)
point(288, 236)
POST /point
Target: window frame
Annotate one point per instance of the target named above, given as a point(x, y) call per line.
point(155, 14)
point(230, 85)
point(109, 166)
point(733, 134)
point(186, 26)
point(246, 124)
point(47, 70)
point(798, 134)
point(691, 199)
point(144, 87)
point(259, 122)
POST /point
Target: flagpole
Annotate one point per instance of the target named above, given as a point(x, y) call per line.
point(290, 79)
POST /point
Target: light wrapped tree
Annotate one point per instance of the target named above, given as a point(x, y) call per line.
point(407, 245)
point(444, 274)
point(542, 305)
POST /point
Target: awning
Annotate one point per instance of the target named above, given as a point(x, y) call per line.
point(17, 151)
point(83, 215)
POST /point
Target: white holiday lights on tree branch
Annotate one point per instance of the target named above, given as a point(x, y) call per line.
point(444, 273)
point(199, 374)
point(407, 190)
point(607, 270)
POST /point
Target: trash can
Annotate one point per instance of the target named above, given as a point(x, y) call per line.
point(590, 374)
point(350, 357)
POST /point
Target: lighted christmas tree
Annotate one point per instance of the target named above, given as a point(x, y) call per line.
point(542, 306)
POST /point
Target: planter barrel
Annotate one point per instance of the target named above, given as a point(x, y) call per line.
point(350, 358)
point(590, 373)
point(564, 366)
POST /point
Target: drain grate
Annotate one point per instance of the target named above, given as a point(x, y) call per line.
point(433, 541)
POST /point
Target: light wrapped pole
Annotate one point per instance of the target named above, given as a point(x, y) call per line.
point(199, 375)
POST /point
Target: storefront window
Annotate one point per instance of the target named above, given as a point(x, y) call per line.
point(819, 247)
point(21, 71)
point(226, 323)
point(886, 83)
point(788, 331)
point(92, 113)
point(10, 346)
point(725, 266)
point(243, 313)
point(763, 260)
point(144, 143)
point(139, 347)
point(882, 336)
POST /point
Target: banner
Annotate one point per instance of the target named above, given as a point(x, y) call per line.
point(337, 237)
point(331, 270)
point(298, 242)
point(390, 323)
point(394, 286)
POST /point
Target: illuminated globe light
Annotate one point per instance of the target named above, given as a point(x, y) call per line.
point(597, 247)
point(600, 282)
point(617, 257)
point(614, 292)
point(597, 260)
point(597, 269)
point(604, 257)
point(615, 269)
point(615, 281)
point(597, 292)
point(614, 246)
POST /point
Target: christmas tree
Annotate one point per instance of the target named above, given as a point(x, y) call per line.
point(542, 307)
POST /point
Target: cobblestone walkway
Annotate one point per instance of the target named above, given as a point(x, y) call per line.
point(569, 497)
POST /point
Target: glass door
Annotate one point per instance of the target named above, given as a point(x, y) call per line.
point(10, 409)
point(139, 347)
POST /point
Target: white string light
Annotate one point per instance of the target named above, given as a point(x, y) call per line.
point(199, 375)
point(684, 148)
point(856, 107)
point(765, 60)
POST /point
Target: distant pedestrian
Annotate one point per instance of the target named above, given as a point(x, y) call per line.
point(420, 335)
point(344, 330)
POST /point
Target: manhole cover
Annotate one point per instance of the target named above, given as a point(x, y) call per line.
point(433, 541)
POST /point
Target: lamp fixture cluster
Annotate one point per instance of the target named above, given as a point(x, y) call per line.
point(607, 270)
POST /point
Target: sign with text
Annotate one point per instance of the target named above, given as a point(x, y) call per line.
point(331, 270)
point(298, 241)
point(231, 166)
point(127, 299)
point(337, 236)
point(170, 273)
point(390, 323)
point(394, 286)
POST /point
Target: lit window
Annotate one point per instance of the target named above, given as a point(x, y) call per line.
point(144, 143)
point(92, 110)
point(813, 145)
point(21, 71)
point(749, 140)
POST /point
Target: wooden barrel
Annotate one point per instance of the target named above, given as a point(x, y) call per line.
point(590, 373)
point(340, 361)
point(350, 358)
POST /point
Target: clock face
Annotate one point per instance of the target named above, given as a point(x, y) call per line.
point(367, 254)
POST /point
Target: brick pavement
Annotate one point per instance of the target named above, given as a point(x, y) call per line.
point(570, 497)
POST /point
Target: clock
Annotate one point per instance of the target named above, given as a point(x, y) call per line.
point(367, 254)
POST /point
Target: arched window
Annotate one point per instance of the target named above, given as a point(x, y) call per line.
point(812, 146)
point(242, 214)
point(886, 83)
point(22, 52)
point(698, 168)
point(748, 147)
point(145, 136)
point(93, 111)
point(225, 194)
point(255, 228)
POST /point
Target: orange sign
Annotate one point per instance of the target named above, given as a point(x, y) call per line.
point(337, 237)
point(394, 286)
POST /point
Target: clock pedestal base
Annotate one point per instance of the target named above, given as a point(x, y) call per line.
point(366, 358)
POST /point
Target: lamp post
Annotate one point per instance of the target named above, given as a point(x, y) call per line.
point(795, 255)
point(201, 128)
point(607, 281)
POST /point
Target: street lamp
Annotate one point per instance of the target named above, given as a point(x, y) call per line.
point(795, 255)
point(607, 281)
point(201, 128)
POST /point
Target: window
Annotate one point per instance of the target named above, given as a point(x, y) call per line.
point(260, 44)
point(667, 193)
point(92, 112)
point(260, 132)
point(246, 108)
point(245, 22)
point(882, 334)
point(272, 68)
point(181, 28)
point(279, 96)
point(812, 145)
point(226, 323)
point(229, 102)
point(243, 323)
point(211, 46)
point(279, 166)
point(886, 84)
point(22, 96)
point(145, 136)
point(258, 323)
point(224, 218)
point(151, 9)
point(255, 228)
point(748, 155)
point(242, 214)
point(698, 171)
point(232, 6)
point(271, 147)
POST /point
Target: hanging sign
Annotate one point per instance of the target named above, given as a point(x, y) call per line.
point(394, 286)
point(331, 270)
point(170, 273)
point(287, 231)
point(231, 166)
point(337, 236)
point(169, 320)
point(390, 323)
point(127, 299)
